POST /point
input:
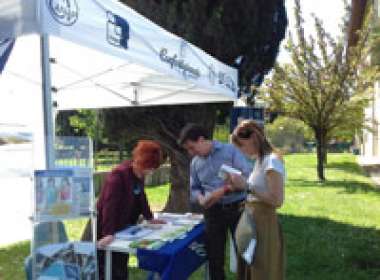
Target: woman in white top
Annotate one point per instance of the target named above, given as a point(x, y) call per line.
point(266, 193)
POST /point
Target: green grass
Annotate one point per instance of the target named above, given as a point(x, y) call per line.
point(157, 196)
point(332, 230)
point(12, 261)
point(222, 133)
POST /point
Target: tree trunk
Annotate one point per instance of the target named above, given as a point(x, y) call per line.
point(325, 154)
point(320, 137)
point(163, 124)
point(358, 8)
point(178, 200)
point(179, 196)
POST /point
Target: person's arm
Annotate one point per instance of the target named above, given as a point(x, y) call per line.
point(238, 182)
point(196, 194)
point(113, 193)
point(146, 211)
point(274, 194)
point(240, 162)
point(215, 196)
point(195, 185)
point(275, 189)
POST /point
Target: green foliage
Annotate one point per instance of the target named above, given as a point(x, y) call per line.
point(83, 122)
point(222, 133)
point(288, 134)
point(86, 122)
point(375, 52)
point(327, 85)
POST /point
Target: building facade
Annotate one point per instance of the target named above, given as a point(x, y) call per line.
point(370, 146)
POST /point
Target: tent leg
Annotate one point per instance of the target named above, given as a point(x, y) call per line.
point(47, 103)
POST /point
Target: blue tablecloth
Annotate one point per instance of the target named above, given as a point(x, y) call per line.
point(176, 260)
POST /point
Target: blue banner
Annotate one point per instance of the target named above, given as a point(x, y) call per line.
point(6, 47)
point(178, 259)
point(249, 113)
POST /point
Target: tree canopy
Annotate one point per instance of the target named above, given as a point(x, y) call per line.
point(328, 83)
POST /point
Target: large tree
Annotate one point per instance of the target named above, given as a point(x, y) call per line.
point(163, 124)
point(245, 34)
point(328, 83)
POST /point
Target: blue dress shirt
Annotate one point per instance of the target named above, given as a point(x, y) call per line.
point(204, 171)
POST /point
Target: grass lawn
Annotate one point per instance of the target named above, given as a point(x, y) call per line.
point(332, 230)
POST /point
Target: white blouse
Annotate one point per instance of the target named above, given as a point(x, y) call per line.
point(257, 179)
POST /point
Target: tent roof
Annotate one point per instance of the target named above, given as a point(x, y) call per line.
point(104, 54)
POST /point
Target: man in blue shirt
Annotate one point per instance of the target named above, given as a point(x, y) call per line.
point(222, 208)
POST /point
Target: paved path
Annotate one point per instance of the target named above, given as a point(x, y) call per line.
point(15, 193)
point(375, 176)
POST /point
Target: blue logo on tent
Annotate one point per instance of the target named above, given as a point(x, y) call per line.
point(6, 47)
point(117, 30)
point(65, 12)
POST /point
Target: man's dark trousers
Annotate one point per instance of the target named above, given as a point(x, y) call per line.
point(219, 219)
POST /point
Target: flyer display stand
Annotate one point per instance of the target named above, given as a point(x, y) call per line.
point(73, 151)
point(63, 195)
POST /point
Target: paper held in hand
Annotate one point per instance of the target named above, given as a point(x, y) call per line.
point(225, 169)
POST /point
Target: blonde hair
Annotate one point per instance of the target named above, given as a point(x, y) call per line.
point(244, 131)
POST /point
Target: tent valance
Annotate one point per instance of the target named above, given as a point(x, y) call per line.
point(104, 54)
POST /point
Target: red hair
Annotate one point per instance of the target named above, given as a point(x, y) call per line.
point(147, 154)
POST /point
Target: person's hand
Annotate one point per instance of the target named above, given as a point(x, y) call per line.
point(211, 198)
point(105, 241)
point(238, 182)
point(156, 221)
point(201, 200)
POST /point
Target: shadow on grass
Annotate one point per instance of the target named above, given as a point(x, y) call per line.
point(350, 167)
point(319, 248)
point(348, 186)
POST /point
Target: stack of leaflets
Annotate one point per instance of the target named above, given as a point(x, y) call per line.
point(180, 219)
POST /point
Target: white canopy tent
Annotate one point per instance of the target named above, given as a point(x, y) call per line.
point(101, 54)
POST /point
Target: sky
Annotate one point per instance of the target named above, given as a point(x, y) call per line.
point(329, 11)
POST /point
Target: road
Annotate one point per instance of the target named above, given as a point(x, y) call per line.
point(15, 193)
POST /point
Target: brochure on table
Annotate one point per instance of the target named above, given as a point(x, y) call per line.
point(153, 236)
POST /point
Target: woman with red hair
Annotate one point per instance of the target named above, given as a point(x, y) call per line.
point(122, 200)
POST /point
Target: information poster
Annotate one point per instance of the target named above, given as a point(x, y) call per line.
point(63, 193)
point(73, 151)
point(82, 178)
point(55, 195)
point(72, 260)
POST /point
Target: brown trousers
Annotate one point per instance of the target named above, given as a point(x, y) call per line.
point(269, 261)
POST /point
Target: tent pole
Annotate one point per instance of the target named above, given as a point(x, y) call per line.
point(47, 103)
